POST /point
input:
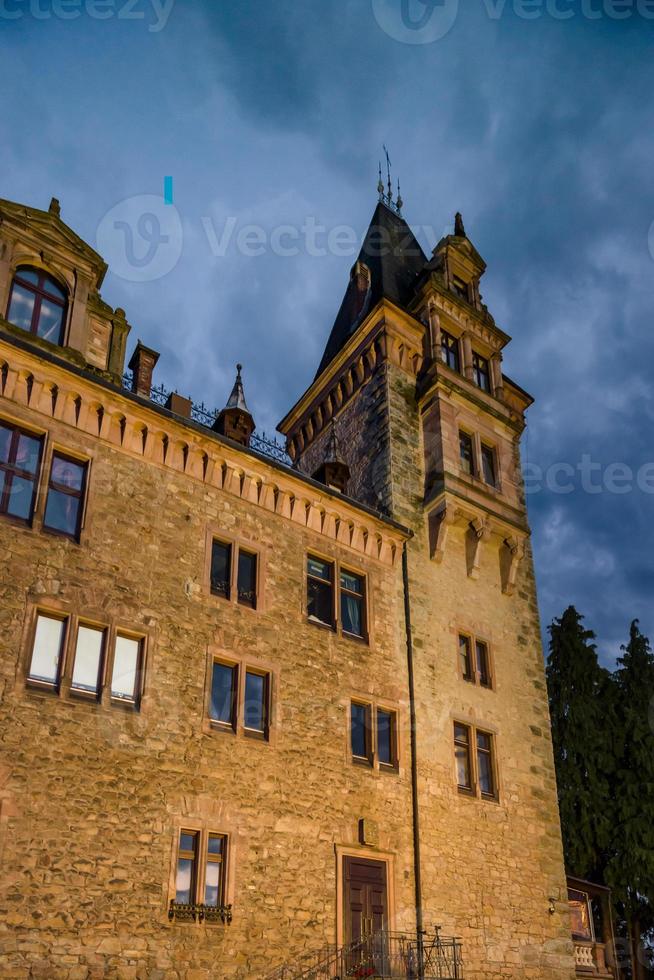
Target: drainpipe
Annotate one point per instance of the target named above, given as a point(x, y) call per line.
point(414, 764)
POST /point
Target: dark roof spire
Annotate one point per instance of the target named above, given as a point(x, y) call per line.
point(380, 185)
point(237, 397)
point(235, 421)
point(333, 471)
point(459, 229)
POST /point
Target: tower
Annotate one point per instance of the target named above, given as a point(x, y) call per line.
point(430, 428)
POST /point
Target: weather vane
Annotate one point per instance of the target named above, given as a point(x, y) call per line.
point(386, 196)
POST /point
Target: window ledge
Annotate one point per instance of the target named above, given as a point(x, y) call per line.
point(200, 913)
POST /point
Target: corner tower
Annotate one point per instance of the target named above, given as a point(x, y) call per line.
point(430, 429)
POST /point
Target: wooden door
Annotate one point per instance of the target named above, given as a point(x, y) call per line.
point(365, 898)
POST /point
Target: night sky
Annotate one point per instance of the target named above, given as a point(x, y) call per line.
point(532, 118)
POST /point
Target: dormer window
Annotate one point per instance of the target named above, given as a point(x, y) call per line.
point(481, 372)
point(460, 288)
point(37, 304)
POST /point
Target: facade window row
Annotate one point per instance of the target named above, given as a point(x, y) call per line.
point(451, 355)
point(21, 465)
point(75, 657)
point(478, 459)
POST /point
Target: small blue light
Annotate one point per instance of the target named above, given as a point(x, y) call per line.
point(168, 190)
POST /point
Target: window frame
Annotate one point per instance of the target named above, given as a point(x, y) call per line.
point(475, 791)
point(460, 287)
point(80, 495)
point(236, 544)
point(481, 368)
point(465, 434)
point(337, 566)
point(492, 450)
point(454, 346)
point(40, 294)
point(373, 706)
point(474, 679)
point(18, 429)
point(203, 832)
point(242, 665)
point(63, 689)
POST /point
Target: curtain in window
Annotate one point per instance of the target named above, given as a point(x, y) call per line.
point(351, 614)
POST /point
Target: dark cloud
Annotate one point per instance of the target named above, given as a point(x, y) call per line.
point(274, 113)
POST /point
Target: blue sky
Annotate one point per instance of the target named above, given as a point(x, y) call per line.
point(532, 118)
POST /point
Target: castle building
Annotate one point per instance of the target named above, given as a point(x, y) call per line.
point(268, 715)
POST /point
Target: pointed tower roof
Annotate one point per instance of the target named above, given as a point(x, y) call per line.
point(388, 266)
point(235, 420)
point(237, 397)
point(333, 471)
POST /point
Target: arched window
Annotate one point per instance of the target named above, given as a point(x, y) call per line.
point(37, 304)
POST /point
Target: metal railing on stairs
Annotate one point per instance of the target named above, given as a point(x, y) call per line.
point(382, 956)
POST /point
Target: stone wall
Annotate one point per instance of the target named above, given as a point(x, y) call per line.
point(92, 796)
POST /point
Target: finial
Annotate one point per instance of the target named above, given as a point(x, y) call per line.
point(380, 185)
point(55, 207)
point(459, 229)
point(237, 397)
point(389, 196)
point(399, 203)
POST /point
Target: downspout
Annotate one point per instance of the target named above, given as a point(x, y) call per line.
point(414, 764)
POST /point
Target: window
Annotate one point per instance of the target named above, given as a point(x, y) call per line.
point(255, 709)
point(224, 691)
point(320, 600)
point(84, 659)
point(321, 607)
point(462, 756)
point(126, 669)
point(475, 661)
point(485, 764)
point(37, 304)
point(465, 658)
point(247, 579)
point(221, 569)
point(64, 504)
point(386, 738)
point(373, 735)
point(352, 603)
point(361, 732)
point(88, 660)
point(450, 351)
point(475, 774)
point(488, 465)
point(47, 649)
point(483, 664)
point(480, 372)
point(460, 287)
point(467, 453)
point(20, 458)
point(240, 698)
point(200, 878)
point(234, 572)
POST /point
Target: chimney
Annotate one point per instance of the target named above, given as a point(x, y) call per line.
point(179, 405)
point(142, 365)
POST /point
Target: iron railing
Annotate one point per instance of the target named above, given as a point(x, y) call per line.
point(382, 956)
point(261, 443)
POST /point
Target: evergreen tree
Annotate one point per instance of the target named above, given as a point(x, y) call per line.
point(583, 745)
point(630, 870)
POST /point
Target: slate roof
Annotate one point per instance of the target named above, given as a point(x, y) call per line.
point(395, 259)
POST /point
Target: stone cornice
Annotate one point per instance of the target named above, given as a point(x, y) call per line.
point(52, 389)
point(466, 316)
point(440, 377)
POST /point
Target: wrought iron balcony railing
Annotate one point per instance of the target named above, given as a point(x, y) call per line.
point(382, 956)
point(199, 913)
